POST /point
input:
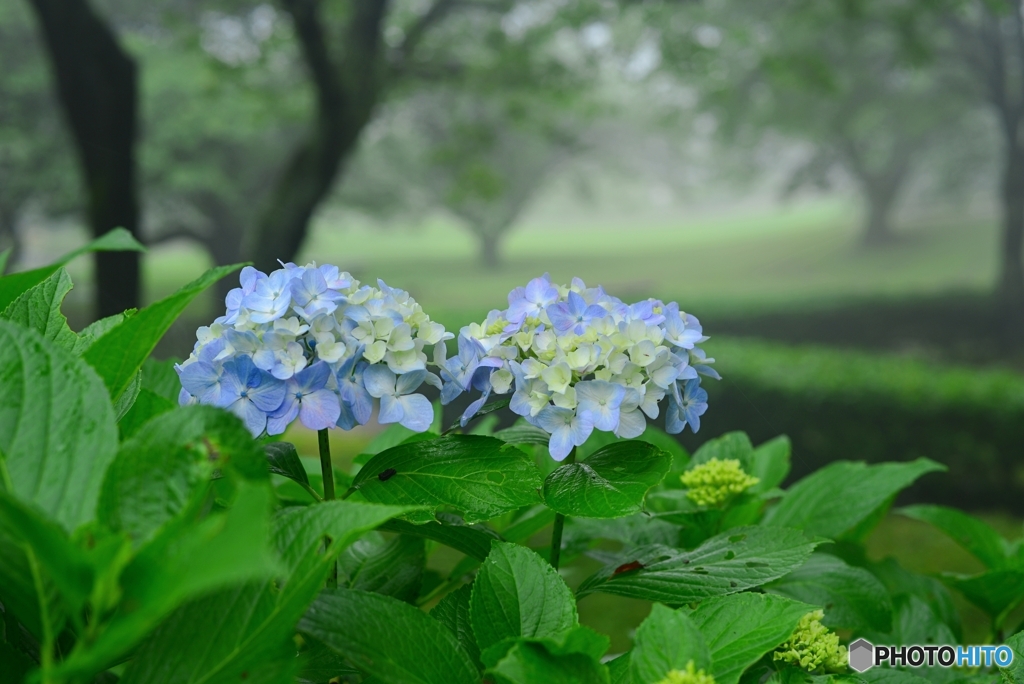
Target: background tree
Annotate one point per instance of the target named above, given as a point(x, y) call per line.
point(96, 83)
point(35, 172)
point(841, 84)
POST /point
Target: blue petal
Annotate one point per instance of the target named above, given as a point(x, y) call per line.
point(419, 414)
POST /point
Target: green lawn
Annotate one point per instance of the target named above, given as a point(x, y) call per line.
point(728, 261)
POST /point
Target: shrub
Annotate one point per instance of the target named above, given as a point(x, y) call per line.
point(845, 405)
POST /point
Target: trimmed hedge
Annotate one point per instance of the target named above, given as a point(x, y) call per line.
point(875, 407)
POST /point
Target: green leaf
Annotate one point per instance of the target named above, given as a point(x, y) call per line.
point(50, 549)
point(146, 407)
point(973, 535)
point(770, 464)
point(611, 483)
point(114, 240)
point(98, 329)
point(618, 669)
point(13, 663)
point(26, 593)
point(570, 658)
point(852, 597)
point(38, 308)
point(159, 377)
point(153, 478)
point(11, 286)
point(475, 543)
point(997, 592)
point(666, 640)
point(393, 567)
point(57, 430)
point(518, 594)
point(126, 400)
point(283, 459)
point(734, 561)
point(186, 559)
point(740, 629)
point(453, 612)
point(837, 498)
point(218, 637)
point(915, 622)
point(731, 445)
point(481, 477)
point(523, 433)
point(1014, 673)
point(388, 639)
point(887, 675)
point(119, 354)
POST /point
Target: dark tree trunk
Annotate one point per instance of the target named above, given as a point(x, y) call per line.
point(96, 83)
point(347, 94)
point(489, 254)
point(9, 238)
point(1011, 271)
point(877, 226)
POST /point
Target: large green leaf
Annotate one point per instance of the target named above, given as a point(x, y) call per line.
point(739, 629)
point(836, 499)
point(388, 639)
point(997, 592)
point(518, 594)
point(472, 541)
point(147, 405)
point(976, 537)
point(731, 445)
point(734, 561)
point(770, 464)
point(118, 355)
point(611, 483)
point(852, 597)
point(156, 472)
point(218, 637)
point(26, 593)
point(453, 612)
point(666, 640)
point(393, 567)
point(570, 658)
point(481, 477)
point(52, 551)
point(11, 286)
point(186, 559)
point(1014, 672)
point(57, 430)
point(39, 308)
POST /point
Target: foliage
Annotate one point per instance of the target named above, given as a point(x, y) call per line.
point(967, 419)
point(175, 550)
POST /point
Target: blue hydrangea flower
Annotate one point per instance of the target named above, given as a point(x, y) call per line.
point(577, 359)
point(303, 342)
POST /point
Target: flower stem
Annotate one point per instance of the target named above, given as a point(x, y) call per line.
point(327, 470)
point(325, 464)
point(556, 532)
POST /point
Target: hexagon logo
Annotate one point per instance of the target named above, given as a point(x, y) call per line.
point(862, 655)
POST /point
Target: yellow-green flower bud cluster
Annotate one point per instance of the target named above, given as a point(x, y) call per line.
point(714, 482)
point(813, 647)
point(691, 675)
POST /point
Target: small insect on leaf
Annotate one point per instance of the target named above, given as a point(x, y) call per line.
point(386, 475)
point(628, 567)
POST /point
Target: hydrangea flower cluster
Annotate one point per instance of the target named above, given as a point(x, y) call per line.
point(691, 675)
point(577, 360)
point(713, 483)
point(310, 342)
point(813, 647)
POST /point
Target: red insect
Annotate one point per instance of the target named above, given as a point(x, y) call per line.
point(628, 567)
